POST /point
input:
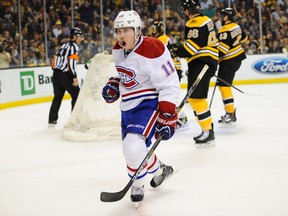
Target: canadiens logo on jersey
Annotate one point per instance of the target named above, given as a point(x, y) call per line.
point(127, 77)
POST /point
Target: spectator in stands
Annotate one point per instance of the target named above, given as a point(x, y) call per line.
point(108, 30)
point(285, 43)
point(15, 59)
point(252, 44)
point(42, 59)
point(34, 26)
point(82, 25)
point(264, 49)
point(282, 18)
point(25, 44)
point(274, 47)
point(32, 59)
point(86, 12)
point(89, 48)
point(64, 36)
point(5, 57)
point(57, 30)
point(205, 4)
point(53, 16)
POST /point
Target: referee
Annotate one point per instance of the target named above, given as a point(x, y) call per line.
point(64, 73)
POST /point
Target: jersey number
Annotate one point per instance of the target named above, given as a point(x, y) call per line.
point(168, 70)
point(211, 40)
point(224, 36)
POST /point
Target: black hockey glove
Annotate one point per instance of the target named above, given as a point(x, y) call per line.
point(173, 48)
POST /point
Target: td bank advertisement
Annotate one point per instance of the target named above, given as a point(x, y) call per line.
point(25, 84)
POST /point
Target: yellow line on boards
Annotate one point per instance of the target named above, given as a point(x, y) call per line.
point(30, 101)
point(249, 82)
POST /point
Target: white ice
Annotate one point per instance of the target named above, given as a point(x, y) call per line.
point(245, 174)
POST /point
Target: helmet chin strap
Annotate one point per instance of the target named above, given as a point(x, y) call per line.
point(137, 36)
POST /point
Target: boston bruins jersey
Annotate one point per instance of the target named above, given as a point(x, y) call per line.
point(200, 41)
point(165, 39)
point(177, 63)
point(230, 39)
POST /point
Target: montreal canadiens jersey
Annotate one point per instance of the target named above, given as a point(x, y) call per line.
point(200, 41)
point(147, 72)
point(230, 38)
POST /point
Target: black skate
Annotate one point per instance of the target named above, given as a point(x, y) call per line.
point(197, 137)
point(228, 118)
point(182, 122)
point(137, 194)
point(166, 172)
point(206, 139)
point(52, 123)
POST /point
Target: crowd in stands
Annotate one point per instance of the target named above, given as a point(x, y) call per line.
point(86, 16)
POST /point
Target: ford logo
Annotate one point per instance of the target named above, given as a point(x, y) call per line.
point(271, 65)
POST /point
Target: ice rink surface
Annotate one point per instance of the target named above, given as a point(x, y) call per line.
point(245, 174)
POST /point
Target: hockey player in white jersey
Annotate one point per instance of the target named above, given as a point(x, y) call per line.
point(157, 30)
point(149, 87)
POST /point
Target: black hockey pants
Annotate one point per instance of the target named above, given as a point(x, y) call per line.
point(62, 81)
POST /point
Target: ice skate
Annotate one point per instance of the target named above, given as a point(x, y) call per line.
point(158, 179)
point(197, 137)
point(201, 134)
point(137, 194)
point(182, 122)
point(52, 123)
point(228, 118)
point(205, 139)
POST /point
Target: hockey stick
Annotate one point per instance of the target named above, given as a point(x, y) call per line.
point(234, 86)
point(87, 64)
point(214, 89)
point(116, 196)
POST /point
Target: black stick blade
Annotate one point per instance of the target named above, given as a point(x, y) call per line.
point(111, 197)
point(115, 196)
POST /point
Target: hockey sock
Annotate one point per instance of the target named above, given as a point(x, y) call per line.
point(227, 98)
point(200, 107)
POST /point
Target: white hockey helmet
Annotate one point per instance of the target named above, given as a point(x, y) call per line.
point(127, 19)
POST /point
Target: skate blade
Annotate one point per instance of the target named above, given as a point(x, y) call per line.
point(205, 145)
point(183, 126)
point(137, 205)
point(173, 173)
point(227, 125)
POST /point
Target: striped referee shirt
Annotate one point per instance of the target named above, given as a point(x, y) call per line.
point(66, 57)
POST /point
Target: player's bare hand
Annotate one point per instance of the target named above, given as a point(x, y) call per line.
point(75, 82)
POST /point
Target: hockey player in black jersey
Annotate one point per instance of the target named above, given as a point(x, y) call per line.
point(231, 55)
point(199, 48)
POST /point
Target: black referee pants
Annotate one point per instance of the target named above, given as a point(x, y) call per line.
point(62, 81)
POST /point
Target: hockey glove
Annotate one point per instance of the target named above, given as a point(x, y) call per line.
point(166, 125)
point(173, 48)
point(110, 91)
